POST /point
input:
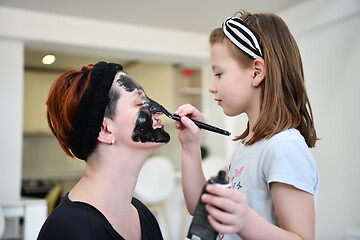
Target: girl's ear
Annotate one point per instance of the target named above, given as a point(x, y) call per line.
point(105, 134)
point(259, 71)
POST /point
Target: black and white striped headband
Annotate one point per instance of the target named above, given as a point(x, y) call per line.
point(241, 35)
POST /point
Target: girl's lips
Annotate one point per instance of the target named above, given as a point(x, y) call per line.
point(218, 100)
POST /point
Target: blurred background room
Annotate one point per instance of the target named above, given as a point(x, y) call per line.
point(163, 44)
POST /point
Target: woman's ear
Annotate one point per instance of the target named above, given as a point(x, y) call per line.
point(259, 71)
point(105, 134)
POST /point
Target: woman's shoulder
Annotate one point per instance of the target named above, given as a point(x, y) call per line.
point(149, 226)
point(76, 220)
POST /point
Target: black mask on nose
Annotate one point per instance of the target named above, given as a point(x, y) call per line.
point(144, 131)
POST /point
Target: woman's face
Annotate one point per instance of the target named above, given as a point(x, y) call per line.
point(136, 114)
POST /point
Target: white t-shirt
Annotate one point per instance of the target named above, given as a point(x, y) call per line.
point(283, 158)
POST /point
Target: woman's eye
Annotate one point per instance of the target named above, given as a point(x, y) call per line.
point(141, 104)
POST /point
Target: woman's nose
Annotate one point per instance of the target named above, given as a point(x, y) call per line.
point(154, 107)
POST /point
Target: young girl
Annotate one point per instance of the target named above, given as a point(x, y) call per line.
point(257, 71)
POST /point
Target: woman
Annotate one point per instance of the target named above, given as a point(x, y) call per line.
point(103, 116)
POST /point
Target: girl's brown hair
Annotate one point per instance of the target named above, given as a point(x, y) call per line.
point(284, 100)
point(64, 99)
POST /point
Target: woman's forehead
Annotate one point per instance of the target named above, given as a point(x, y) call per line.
point(128, 83)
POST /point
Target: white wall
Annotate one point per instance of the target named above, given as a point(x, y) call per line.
point(328, 36)
point(11, 106)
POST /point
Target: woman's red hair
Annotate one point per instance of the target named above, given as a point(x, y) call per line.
point(63, 101)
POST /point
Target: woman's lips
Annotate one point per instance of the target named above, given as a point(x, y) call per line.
point(157, 122)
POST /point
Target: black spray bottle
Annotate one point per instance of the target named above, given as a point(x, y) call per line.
point(200, 228)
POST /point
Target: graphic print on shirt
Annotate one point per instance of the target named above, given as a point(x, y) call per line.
point(235, 183)
point(234, 179)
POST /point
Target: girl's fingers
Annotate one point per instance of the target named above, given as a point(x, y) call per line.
point(189, 124)
point(220, 215)
point(221, 203)
point(227, 208)
point(220, 227)
point(225, 215)
point(178, 125)
point(181, 108)
point(186, 123)
point(228, 193)
point(189, 111)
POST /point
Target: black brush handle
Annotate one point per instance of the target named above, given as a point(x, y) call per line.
point(204, 126)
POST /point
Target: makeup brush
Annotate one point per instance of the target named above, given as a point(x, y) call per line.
point(199, 124)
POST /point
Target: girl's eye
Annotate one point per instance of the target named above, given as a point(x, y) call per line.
point(218, 75)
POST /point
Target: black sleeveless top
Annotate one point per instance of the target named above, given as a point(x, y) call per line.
point(78, 220)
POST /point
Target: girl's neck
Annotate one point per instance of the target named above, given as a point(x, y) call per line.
point(253, 114)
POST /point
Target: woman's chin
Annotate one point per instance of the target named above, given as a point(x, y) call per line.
point(158, 136)
point(153, 145)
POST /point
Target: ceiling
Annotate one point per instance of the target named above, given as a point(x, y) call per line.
point(199, 16)
point(188, 15)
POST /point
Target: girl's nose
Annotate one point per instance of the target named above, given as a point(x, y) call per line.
point(212, 87)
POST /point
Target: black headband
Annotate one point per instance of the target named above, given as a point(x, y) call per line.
point(91, 110)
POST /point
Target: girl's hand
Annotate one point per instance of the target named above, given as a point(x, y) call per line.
point(188, 132)
point(228, 209)
point(230, 213)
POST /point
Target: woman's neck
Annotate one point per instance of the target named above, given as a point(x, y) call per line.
point(109, 181)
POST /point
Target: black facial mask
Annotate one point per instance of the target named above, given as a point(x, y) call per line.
point(144, 131)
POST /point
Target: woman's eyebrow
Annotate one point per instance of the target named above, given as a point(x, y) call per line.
point(139, 94)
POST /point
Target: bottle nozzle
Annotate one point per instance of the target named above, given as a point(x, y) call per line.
point(221, 175)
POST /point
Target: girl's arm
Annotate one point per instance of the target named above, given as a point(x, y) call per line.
point(192, 176)
point(294, 208)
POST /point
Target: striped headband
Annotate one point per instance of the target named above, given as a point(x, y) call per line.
point(241, 35)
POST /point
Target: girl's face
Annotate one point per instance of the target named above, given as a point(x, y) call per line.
point(136, 115)
point(232, 83)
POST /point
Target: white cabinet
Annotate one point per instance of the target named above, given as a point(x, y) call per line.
point(36, 90)
point(188, 86)
point(34, 212)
